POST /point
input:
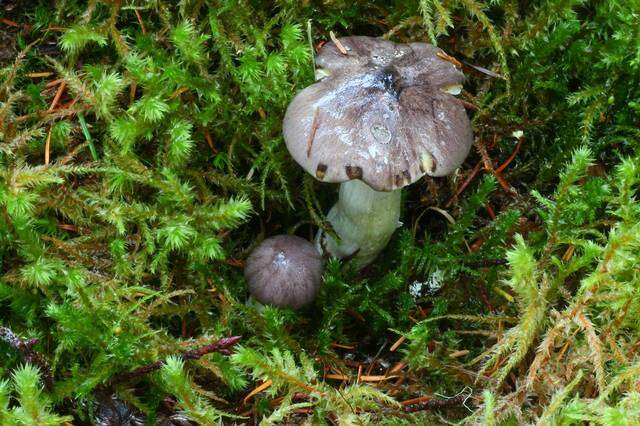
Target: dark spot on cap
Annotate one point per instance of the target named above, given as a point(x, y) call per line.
point(353, 172)
point(391, 81)
point(321, 170)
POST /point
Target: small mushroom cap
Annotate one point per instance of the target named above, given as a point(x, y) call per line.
point(383, 114)
point(284, 271)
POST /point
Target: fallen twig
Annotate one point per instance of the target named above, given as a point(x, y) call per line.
point(30, 355)
point(488, 166)
point(435, 404)
point(466, 183)
point(221, 346)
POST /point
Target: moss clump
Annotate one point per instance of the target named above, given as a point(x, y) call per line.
point(141, 158)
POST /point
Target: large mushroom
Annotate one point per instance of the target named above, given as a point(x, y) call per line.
point(381, 116)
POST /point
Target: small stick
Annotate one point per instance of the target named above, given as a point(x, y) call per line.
point(466, 183)
point(30, 355)
point(435, 404)
point(144, 30)
point(132, 92)
point(207, 136)
point(468, 105)
point(338, 345)
point(511, 157)
point(67, 106)
point(58, 95)
point(9, 22)
point(257, 390)
point(397, 344)
point(336, 377)
point(54, 83)
point(492, 214)
point(398, 367)
point(221, 346)
point(449, 58)
point(488, 165)
point(417, 400)
point(458, 354)
point(377, 378)
point(339, 45)
point(39, 74)
point(47, 145)
point(178, 92)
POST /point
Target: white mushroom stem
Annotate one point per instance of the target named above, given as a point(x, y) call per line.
point(364, 220)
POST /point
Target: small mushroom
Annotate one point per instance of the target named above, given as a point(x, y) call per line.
point(284, 271)
point(381, 117)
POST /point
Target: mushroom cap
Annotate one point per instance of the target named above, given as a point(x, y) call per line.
point(284, 271)
point(382, 115)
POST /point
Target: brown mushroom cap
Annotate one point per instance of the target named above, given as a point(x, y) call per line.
point(284, 271)
point(381, 115)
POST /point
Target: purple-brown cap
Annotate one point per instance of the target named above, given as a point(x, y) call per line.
point(382, 113)
point(284, 271)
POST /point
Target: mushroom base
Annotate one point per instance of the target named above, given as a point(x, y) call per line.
point(364, 220)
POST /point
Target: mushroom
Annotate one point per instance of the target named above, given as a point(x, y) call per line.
point(380, 117)
point(284, 271)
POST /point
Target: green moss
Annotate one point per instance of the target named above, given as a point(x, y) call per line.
point(166, 165)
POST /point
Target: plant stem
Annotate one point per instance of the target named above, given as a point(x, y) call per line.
point(364, 220)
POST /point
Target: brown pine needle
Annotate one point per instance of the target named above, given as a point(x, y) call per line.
point(338, 345)
point(458, 354)
point(492, 214)
point(47, 146)
point(9, 22)
point(53, 83)
point(488, 166)
point(466, 183)
point(568, 254)
point(132, 92)
point(178, 92)
point(449, 58)
point(397, 368)
point(207, 137)
point(58, 95)
point(417, 400)
point(511, 157)
point(144, 30)
point(397, 344)
point(336, 377)
point(257, 390)
point(339, 45)
point(377, 378)
point(39, 74)
point(468, 105)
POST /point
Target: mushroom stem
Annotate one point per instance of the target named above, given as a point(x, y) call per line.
point(364, 220)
